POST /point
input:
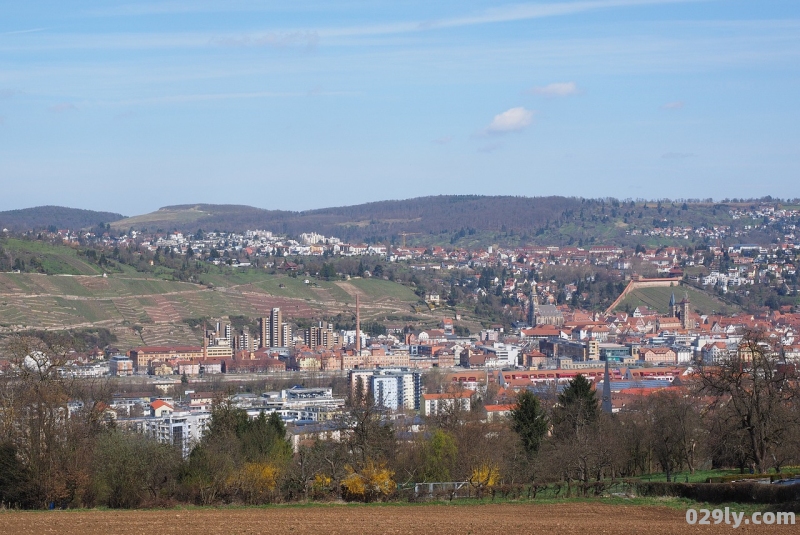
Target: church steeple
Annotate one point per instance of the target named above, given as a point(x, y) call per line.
point(673, 309)
point(606, 404)
point(532, 305)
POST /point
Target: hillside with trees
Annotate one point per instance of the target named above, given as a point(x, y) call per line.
point(447, 220)
point(54, 217)
point(472, 220)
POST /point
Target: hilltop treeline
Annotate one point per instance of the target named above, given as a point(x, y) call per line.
point(465, 220)
point(460, 220)
point(377, 221)
point(53, 218)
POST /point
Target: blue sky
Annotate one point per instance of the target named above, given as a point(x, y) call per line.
point(129, 106)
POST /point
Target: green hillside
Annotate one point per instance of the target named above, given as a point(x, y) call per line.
point(47, 258)
point(658, 299)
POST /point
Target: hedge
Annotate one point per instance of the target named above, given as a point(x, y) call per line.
point(745, 492)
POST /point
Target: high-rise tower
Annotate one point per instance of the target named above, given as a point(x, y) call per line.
point(276, 328)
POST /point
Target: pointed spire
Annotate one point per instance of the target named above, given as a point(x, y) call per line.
point(672, 300)
point(606, 405)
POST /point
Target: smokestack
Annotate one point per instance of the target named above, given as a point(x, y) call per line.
point(205, 342)
point(358, 327)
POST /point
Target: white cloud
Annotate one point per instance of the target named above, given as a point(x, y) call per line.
point(558, 89)
point(511, 120)
point(677, 105)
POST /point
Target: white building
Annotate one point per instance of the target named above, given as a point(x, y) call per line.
point(433, 404)
point(391, 388)
point(181, 429)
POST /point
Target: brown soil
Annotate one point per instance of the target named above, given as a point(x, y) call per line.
point(561, 519)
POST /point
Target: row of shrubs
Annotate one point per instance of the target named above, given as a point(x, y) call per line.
point(743, 492)
point(739, 477)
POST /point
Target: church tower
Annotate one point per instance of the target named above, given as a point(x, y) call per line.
point(685, 310)
point(533, 302)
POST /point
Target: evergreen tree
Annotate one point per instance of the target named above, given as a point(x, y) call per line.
point(529, 421)
point(578, 405)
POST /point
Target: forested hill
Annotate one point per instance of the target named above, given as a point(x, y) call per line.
point(466, 220)
point(461, 220)
point(371, 221)
point(58, 217)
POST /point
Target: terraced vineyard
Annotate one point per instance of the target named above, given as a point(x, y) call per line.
point(152, 311)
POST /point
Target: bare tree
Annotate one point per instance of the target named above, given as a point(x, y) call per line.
point(674, 430)
point(50, 421)
point(757, 393)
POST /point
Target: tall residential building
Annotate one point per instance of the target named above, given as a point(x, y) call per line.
point(274, 332)
point(243, 341)
point(391, 388)
point(287, 338)
point(320, 336)
point(263, 340)
point(276, 328)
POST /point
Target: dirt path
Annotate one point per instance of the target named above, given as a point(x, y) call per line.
point(351, 289)
point(521, 519)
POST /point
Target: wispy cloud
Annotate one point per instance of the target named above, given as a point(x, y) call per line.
point(17, 32)
point(678, 155)
point(308, 39)
point(677, 105)
point(203, 97)
point(161, 8)
point(444, 140)
point(557, 89)
point(61, 107)
point(490, 147)
point(507, 13)
point(512, 120)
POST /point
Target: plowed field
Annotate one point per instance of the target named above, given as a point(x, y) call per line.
point(517, 519)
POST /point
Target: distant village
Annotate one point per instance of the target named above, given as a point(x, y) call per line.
point(725, 267)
